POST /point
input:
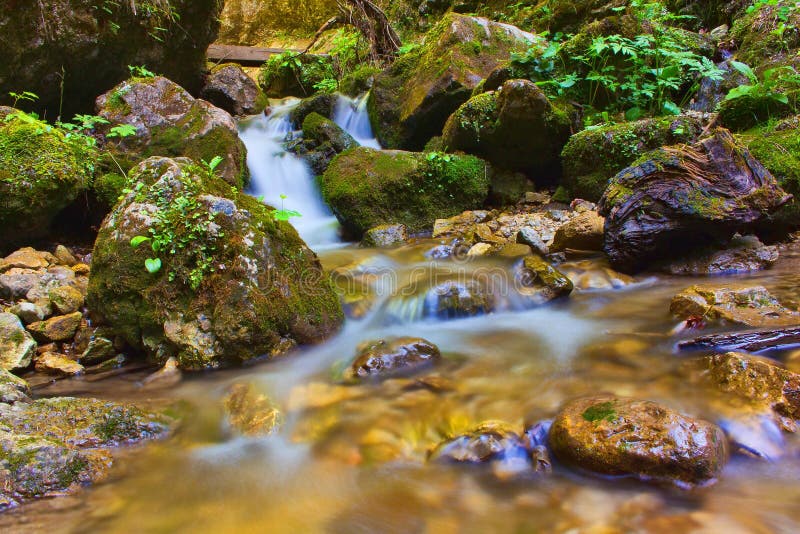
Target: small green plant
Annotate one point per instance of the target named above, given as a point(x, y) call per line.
point(25, 96)
point(770, 87)
point(283, 214)
point(140, 71)
point(121, 131)
point(211, 166)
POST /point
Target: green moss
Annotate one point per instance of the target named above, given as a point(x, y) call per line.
point(599, 412)
point(367, 188)
point(359, 81)
point(108, 188)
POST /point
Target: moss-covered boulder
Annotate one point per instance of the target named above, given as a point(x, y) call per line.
point(68, 51)
point(778, 149)
point(187, 266)
point(592, 157)
point(323, 104)
point(411, 101)
point(367, 187)
point(678, 198)
point(322, 140)
point(52, 446)
point(41, 172)
point(228, 87)
point(170, 122)
point(767, 35)
point(619, 436)
point(515, 127)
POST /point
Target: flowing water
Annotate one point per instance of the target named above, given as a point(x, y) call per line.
point(353, 458)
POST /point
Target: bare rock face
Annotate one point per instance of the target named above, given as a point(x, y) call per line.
point(170, 122)
point(94, 42)
point(683, 196)
point(619, 436)
point(230, 88)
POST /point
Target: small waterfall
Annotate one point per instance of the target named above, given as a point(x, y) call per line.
point(351, 115)
point(275, 172)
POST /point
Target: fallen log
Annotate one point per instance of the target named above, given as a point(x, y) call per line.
point(751, 341)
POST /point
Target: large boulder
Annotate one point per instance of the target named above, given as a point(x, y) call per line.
point(515, 127)
point(68, 51)
point(42, 171)
point(619, 436)
point(227, 281)
point(170, 122)
point(367, 187)
point(411, 101)
point(682, 196)
point(593, 156)
point(229, 87)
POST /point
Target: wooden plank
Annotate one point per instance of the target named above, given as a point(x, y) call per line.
point(248, 56)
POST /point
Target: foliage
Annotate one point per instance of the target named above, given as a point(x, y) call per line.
point(772, 85)
point(156, 15)
point(287, 68)
point(140, 71)
point(283, 214)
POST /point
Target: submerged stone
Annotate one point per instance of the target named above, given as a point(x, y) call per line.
point(391, 357)
point(249, 412)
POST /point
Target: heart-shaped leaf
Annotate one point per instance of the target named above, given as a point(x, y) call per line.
point(153, 265)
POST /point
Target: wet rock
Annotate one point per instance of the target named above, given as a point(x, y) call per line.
point(742, 255)
point(228, 87)
point(392, 357)
point(12, 388)
point(66, 299)
point(455, 300)
point(540, 282)
point(169, 375)
point(594, 274)
point(367, 187)
point(530, 237)
point(50, 446)
point(323, 104)
point(490, 442)
point(260, 287)
point(251, 413)
point(742, 305)
point(618, 436)
point(411, 101)
point(60, 328)
point(98, 350)
point(480, 249)
point(322, 141)
point(516, 127)
point(385, 235)
point(170, 122)
point(28, 312)
point(17, 347)
point(683, 196)
point(584, 232)
point(57, 364)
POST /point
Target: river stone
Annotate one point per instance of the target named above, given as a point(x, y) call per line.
point(681, 197)
point(322, 140)
point(455, 300)
point(539, 281)
point(170, 122)
point(53, 363)
point(584, 232)
point(28, 312)
point(742, 255)
point(228, 87)
point(66, 299)
point(98, 350)
point(26, 258)
point(391, 357)
point(50, 446)
point(16, 282)
point(59, 328)
point(756, 379)
point(264, 290)
point(735, 304)
point(412, 99)
point(17, 347)
point(385, 235)
point(251, 413)
point(13, 388)
point(618, 436)
point(529, 236)
point(65, 256)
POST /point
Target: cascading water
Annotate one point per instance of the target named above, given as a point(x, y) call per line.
point(275, 172)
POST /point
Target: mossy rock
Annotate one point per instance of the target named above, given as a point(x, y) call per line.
point(322, 140)
point(322, 104)
point(367, 187)
point(232, 283)
point(759, 44)
point(411, 101)
point(778, 149)
point(170, 122)
point(515, 127)
point(749, 111)
point(359, 81)
point(41, 173)
point(592, 157)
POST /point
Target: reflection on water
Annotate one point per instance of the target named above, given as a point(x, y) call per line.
point(353, 458)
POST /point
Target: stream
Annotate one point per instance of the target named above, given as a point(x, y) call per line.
point(353, 458)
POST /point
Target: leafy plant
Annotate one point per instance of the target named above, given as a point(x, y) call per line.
point(212, 165)
point(283, 214)
point(121, 131)
point(770, 87)
point(25, 96)
point(140, 71)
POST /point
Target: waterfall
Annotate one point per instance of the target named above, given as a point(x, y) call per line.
point(351, 116)
point(275, 172)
